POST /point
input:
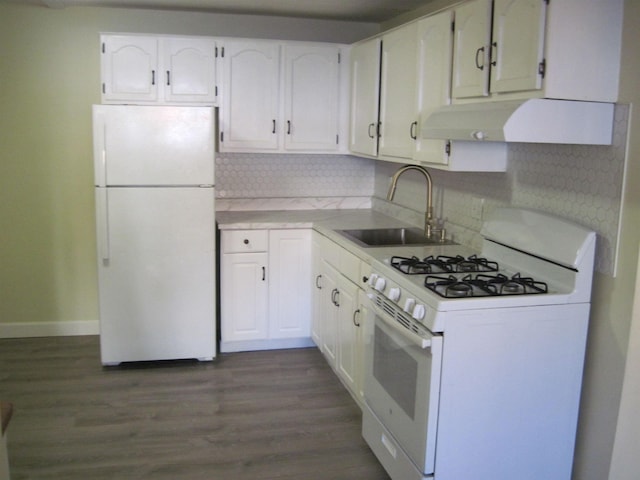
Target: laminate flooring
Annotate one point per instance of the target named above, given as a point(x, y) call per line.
point(255, 415)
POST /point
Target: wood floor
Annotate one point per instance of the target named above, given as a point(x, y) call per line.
point(258, 415)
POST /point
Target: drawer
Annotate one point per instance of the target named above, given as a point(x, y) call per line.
point(242, 241)
point(349, 266)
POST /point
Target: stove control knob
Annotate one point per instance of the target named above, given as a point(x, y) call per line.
point(394, 294)
point(409, 303)
point(419, 312)
point(372, 280)
point(380, 284)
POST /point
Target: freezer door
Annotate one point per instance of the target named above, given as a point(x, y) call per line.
point(156, 273)
point(153, 145)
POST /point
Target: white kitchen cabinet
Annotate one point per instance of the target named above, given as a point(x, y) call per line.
point(158, 69)
point(189, 73)
point(280, 97)
point(265, 295)
point(398, 79)
point(311, 119)
point(289, 289)
point(250, 95)
point(243, 287)
point(434, 58)
point(565, 49)
point(472, 40)
point(365, 94)
point(340, 313)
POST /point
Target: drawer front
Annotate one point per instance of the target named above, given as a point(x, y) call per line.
point(241, 241)
point(349, 266)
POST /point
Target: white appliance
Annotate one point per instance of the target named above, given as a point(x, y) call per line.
point(473, 362)
point(155, 219)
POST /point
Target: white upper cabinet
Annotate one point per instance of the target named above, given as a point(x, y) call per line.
point(250, 93)
point(435, 43)
point(563, 49)
point(365, 92)
point(280, 97)
point(129, 69)
point(156, 69)
point(189, 73)
point(472, 42)
point(311, 98)
point(398, 78)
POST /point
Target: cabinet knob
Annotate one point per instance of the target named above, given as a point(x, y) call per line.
point(246, 241)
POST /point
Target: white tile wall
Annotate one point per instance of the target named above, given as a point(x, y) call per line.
point(258, 181)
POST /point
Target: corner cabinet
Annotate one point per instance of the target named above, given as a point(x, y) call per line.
point(264, 293)
point(280, 97)
point(140, 69)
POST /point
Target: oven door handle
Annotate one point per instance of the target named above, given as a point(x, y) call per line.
point(406, 334)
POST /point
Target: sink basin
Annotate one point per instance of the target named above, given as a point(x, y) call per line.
point(387, 237)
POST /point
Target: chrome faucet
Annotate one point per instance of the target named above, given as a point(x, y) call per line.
point(429, 229)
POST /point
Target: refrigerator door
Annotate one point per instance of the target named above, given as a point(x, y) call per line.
point(153, 145)
point(156, 270)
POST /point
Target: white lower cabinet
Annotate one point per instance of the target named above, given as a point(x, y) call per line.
point(338, 316)
point(264, 290)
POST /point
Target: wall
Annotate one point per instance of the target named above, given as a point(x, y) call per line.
point(49, 77)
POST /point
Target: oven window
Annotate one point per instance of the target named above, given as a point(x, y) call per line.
point(395, 370)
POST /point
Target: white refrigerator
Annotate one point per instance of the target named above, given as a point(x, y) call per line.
point(155, 223)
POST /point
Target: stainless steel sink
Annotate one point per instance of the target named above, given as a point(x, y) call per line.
point(387, 237)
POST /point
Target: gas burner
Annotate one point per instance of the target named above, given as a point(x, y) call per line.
point(482, 285)
point(473, 263)
point(516, 285)
point(416, 266)
point(442, 264)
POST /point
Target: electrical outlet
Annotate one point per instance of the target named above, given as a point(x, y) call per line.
point(477, 205)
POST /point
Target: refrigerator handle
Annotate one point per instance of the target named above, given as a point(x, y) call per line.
point(102, 221)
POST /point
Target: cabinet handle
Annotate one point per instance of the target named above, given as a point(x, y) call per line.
point(334, 296)
point(264, 273)
point(288, 127)
point(168, 77)
point(153, 77)
point(480, 50)
point(379, 132)
point(246, 241)
point(273, 130)
point(371, 125)
point(494, 53)
point(355, 315)
point(337, 302)
point(413, 130)
point(318, 286)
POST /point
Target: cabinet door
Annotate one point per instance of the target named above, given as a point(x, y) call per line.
point(398, 110)
point(250, 96)
point(435, 44)
point(348, 364)
point(365, 91)
point(189, 70)
point(311, 87)
point(289, 288)
point(243, 291)
point(472, 41)
point(129, 69)
point(329, 313)
point(518, 45)
point(318, 289)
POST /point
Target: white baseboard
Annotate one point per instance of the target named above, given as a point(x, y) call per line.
point(49, 329)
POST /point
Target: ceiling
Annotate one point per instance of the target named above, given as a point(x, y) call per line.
point(351, 10)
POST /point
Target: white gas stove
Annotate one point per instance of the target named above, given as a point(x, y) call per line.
point(473, 360)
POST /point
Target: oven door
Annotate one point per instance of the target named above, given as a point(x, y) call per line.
point(402, 378)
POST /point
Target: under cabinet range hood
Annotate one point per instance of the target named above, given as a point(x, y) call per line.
point(535, 120)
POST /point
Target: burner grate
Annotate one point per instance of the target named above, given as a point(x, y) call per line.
point(483, 285)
